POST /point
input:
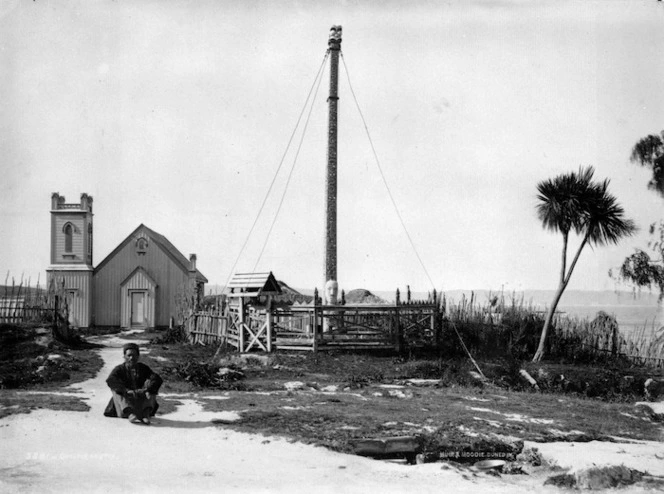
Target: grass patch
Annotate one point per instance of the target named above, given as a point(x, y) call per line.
point(448, 416)
point(166, 359)
point(31, 359)
point(445, 418)
point(13, 401)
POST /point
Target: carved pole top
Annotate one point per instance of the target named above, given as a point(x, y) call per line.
point(335, 37)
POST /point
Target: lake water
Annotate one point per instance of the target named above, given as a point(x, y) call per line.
point(630, 317)
point(634, 311)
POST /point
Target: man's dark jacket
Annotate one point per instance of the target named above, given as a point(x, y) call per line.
point(120, 381)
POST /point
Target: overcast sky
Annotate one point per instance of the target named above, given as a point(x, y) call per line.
point(176, 114)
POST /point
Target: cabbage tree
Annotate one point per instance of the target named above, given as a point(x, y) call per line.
point(574, 203)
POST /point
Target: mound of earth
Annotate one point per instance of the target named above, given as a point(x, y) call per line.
point(362, 296)
point(291, 295)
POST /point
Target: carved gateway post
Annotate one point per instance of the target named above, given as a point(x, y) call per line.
point(331, 286)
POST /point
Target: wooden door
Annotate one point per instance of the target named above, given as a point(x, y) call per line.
point(137, 308)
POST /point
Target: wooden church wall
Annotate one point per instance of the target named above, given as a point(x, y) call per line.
point(78, 290)
point(169, 277)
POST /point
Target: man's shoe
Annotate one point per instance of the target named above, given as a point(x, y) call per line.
point(133, 418)
point(146, 420)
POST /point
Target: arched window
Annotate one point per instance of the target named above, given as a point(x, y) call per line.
point(69, 234)
point(141, 245)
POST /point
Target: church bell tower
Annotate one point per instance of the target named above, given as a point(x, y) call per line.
point(71, 266)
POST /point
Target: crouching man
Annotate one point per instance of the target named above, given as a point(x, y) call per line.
point(134, 387)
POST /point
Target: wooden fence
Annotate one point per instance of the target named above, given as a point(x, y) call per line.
point(356, 327)
point(16, 311)
point(250, 324)
point(601, 337)
point(206, 328)
point(12, 310)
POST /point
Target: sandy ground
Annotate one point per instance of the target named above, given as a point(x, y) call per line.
point(52, 451)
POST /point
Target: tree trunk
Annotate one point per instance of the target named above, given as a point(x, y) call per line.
point(564, 280)
point(547, 323)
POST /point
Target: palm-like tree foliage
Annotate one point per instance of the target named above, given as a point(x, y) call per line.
point(605, 221)
point(574, 202)
point(560, 200)
point(649, 152)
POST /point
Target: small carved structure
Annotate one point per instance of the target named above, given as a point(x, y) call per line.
point(250, 311)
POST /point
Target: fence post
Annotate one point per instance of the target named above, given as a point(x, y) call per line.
point(614, 340)
point(268, 317)
point(56, 313)
point(240, 315)
point(315, 328)
point(439, 329)
point(398, 333)
point(434, 320)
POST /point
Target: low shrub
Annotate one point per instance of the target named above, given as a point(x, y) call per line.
point(357, 381)
point(208, 375)
point(176, 334)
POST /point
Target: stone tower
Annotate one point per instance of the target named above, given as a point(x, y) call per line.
point(71, 255)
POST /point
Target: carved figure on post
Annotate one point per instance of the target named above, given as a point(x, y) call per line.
point(331, 292)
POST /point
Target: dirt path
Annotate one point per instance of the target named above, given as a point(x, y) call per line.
point(54, 451)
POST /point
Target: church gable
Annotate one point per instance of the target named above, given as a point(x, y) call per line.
point(143, 244)
point(139, 281)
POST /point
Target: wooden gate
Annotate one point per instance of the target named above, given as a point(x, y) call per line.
point(249, 327)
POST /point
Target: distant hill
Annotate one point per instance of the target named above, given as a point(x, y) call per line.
point(571, 298)
point(541, 298)
point(289, 294)
point(362, 296)
point(9, 290)
point(29, 294)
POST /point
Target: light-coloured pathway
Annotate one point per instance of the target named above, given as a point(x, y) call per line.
point(85, 452)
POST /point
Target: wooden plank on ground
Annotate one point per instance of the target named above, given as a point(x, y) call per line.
point(294, 341)
point(295, 348)
point(389, 447)
point(324, 347)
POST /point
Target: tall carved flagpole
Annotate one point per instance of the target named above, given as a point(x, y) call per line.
point(331, 285)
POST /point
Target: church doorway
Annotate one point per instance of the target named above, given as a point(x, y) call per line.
point(137, 309)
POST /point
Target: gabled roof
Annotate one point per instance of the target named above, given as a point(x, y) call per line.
point(162, 242)
point(145, 273)
point(254, 282)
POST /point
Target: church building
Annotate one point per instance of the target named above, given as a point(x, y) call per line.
point(136, 286)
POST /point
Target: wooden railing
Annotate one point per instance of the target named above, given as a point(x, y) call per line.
point(321, 327)
point(14, 311)
point(206, 327)
point(265, 326)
